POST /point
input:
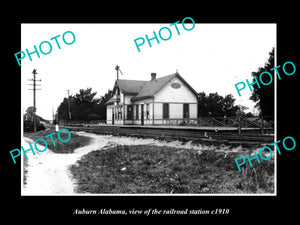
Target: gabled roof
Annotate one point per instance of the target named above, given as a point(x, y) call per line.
point(130, 86)
point(151, 87)
point(110, 101)
point(146, 89)
point(127, 87)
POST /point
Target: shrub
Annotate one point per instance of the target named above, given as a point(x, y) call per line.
point(28, 126)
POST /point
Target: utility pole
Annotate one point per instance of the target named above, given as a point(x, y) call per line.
point(34, 104)
point(53, 118)
point(69, 104)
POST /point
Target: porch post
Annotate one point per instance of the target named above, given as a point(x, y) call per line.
point(153, 111)
point(124, 108)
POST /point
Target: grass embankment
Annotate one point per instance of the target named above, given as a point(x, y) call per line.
point(76, 141)
point(153, 169)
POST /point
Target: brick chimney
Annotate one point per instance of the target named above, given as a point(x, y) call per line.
point(153, 76)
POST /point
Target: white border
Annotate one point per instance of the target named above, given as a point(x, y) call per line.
point(170, 195)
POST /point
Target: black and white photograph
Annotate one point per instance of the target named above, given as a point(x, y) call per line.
point(186, 112)
point(169, 109)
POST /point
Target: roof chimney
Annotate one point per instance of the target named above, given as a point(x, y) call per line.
point(153, 76)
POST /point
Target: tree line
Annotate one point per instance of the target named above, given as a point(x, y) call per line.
point(85, 106)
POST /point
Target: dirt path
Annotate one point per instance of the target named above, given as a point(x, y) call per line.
point(48, 172)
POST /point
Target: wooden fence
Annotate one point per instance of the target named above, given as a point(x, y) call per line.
point(240, 122)
point(80, 122)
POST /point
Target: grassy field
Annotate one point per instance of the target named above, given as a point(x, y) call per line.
point(76, 141)
point(153, 169)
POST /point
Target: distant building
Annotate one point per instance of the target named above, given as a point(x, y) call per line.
point(151, 102)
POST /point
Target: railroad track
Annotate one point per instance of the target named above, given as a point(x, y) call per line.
point(166, 134)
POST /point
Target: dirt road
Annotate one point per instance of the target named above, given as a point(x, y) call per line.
point(48, 172)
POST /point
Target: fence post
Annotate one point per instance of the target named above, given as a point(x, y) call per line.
point(224, 121)
point(262, 125)
point(240, 124)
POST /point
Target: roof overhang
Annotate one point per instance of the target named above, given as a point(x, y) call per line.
point(140, 98)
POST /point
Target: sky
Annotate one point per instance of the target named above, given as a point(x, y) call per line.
point(211, 58)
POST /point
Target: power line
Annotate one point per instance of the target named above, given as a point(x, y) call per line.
point(69, 109)
point(34, 96)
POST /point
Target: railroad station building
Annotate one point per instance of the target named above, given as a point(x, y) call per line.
point(153, 102)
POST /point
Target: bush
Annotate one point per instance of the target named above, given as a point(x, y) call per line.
point(94, 117)
point(40, 127)
point(28, 126)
